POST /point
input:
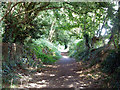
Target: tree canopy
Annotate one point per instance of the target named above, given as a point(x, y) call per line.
point(34, 31)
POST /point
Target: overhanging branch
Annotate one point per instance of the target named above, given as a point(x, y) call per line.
point(9, 11)
point(71, 10)
point(39, 11)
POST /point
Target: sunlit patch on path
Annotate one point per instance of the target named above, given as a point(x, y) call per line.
point(67, 57)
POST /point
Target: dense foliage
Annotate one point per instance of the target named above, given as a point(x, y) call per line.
point(88, 29)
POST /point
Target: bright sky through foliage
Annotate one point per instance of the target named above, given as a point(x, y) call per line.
point(116, 8)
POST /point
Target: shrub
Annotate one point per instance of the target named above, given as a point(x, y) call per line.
point(45, 51)
point(112, 62)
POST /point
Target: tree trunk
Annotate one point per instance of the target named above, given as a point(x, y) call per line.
point(86, 36)
point(52, 30)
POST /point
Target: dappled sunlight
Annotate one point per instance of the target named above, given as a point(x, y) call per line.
point(25, 78)
point(81, 82)
point(81, 87)
point(35, 85)
point(43, 81)
point(79, 72)
point(39, 74)
point(82, 75)
point(70, 76)
point(66, 79)
point(64, 73)
point(84, 84)
point(52, 66)
point(66, 57)
point(96, 76)
point(44, 74)
point(71, 85)
point(89, 74)
point(52, 75)
point(32, 83)
point(62, 77)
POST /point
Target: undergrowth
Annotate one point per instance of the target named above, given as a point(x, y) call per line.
point(107, 59)
point(34, 56)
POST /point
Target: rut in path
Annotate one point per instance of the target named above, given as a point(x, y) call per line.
point(64, 74)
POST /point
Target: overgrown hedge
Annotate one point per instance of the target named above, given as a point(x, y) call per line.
point(34, 55)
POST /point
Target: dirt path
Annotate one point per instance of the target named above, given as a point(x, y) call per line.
point(66, 73)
